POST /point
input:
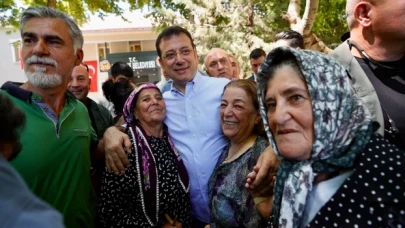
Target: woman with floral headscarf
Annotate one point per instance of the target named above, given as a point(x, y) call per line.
point(335, 171)
point(154, 191)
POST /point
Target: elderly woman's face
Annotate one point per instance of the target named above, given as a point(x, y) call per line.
point(238, 114)
point(289, 114)
point(150, 106)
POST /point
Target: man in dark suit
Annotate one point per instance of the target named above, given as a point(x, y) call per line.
point(256, 58)
point(374, 57)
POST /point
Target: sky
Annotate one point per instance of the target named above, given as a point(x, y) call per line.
point(135, 18)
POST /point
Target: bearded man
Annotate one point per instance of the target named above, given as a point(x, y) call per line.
point(56, 141)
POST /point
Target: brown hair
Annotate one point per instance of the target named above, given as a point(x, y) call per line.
point(250, 89)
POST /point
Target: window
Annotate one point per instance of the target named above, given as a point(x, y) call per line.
point(15, 46)
point(103, 50)
point(135, 46)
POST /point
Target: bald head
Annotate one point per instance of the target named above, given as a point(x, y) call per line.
point(378, 27)
point(79, 85)
point(218, 64)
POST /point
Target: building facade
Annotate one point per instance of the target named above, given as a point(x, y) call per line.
point(127, 43)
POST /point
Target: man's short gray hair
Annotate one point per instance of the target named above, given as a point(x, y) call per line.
point(350, 4)
point(46, 12)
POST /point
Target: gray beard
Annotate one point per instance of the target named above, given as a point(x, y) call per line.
point(39, 79)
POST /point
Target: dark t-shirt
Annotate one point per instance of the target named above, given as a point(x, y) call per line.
point(389, 85)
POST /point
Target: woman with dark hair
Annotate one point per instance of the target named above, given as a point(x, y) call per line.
point(335, 170)
point(154, 191)
point(118, 87)
point(116, 91)
point(230, 202)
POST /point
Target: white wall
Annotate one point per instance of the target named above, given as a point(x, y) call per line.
point(10, 70)
point(90, 52)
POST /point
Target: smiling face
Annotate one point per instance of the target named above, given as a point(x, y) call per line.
point(179, 58)
point(238, 114)
point(289, 113)
point(80, 83)
point(150, 107)
point(48, 53)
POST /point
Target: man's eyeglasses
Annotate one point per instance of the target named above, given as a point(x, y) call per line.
point(171, 55)
point(85, 66)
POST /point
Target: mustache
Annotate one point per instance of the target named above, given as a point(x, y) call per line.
point(42, 60)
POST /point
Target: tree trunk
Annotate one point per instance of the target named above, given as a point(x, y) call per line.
point(314, 43)
point(51, 3)
point(308, 19)
point(304, 24)
point(251, 15)
point(250, 23)
point(191, 18)
point(293, 15)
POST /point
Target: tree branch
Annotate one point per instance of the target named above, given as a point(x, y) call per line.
point(51, 3)
point(308, 19)
point(294, 8)
point(251, 15)
point(293, 15)
point(304, 25)
point(314, 43)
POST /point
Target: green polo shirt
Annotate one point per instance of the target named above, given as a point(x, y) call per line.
point(55, 158)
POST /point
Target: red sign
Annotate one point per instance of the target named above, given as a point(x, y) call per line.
point(93, 74)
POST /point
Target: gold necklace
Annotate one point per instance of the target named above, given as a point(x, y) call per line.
point(236, 151)
point(240, 150)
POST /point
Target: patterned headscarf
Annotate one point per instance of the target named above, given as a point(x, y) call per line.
point(131, 101)
point(342, 128)
point(145, 161)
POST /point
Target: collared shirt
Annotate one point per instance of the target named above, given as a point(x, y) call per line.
point(167, 86)
point(194, 124)
point(320, 194)
point(55, 158)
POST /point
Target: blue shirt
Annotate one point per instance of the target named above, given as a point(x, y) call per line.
point(19, 207)
point(194, 124)
point(167, 86)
